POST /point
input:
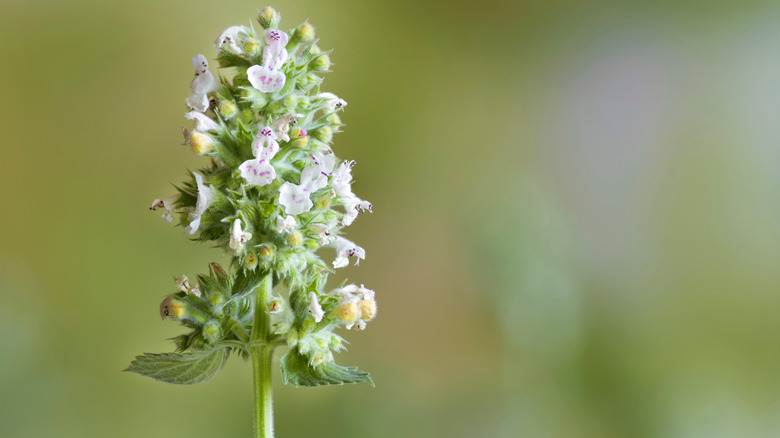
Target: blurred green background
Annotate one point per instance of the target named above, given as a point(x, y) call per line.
point(576, 229)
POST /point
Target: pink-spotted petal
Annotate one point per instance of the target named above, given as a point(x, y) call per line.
point(264, 153)
point(265, 146)
point(274, 57)
point(265, 79)
point(276, 37)
point(257, 172)
point(294, 199)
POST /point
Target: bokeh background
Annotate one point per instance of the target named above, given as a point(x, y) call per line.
point(576, 229)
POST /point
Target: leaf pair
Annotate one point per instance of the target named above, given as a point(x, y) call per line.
point(200, 366)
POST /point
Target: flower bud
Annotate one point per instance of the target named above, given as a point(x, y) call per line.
point(201, 143)
point(304, 33)
point(310, 244)
point(322, 203)
point(216, 299)
point(290, 101)
point(250, 261)
point(227, 109)
point(217, 269)
point(299, 137)
point(334, 120)
point(172, 308)
point(347, 312)
point(181, 310)
point(292, 338)
point(275, 306)
point(268, 18)
point(211, 332)
point(251, 46)
point(308, 81)
point(268, 252)
point(295, 238)
point(257, 101)
point(316, 359)
point(321, 63)
point(367, 309)
point(323, 134)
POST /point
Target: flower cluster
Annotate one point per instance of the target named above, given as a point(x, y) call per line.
point(273, 194)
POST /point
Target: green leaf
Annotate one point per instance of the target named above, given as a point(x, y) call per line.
point(297, 372)
point(180, 369)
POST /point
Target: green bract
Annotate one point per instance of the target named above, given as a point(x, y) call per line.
point(272, 195)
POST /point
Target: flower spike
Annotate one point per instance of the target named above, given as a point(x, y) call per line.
point(272, 195)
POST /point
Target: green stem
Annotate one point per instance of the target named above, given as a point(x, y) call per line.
point(262, 351)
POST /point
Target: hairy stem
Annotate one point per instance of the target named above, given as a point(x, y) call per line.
point(262, 350)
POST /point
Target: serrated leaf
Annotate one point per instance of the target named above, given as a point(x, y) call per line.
point(180, 369)
point(297, 372)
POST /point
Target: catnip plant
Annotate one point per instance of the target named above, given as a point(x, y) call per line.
point(271, 196)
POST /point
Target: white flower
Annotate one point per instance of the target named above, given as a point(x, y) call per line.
point(345, 249)
point(203, 83)
point(294, 198)
point(238, 237)
point(363, 301)
point(183, 284)
point(259, 171)
point(281, 125)
point(341, 181)
point(332, 102)
point(353, 293)
point(353, 206)
point(198, 102)
point(265, 145)
point(275, 53)
point(167, 204)
point(205, 197)
point(203, 122)
point(323, 231)
point(285, 224)
point(200, 142)
point(231, 38)
point(267, 77)
point(314, 308)
point(316, 175)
